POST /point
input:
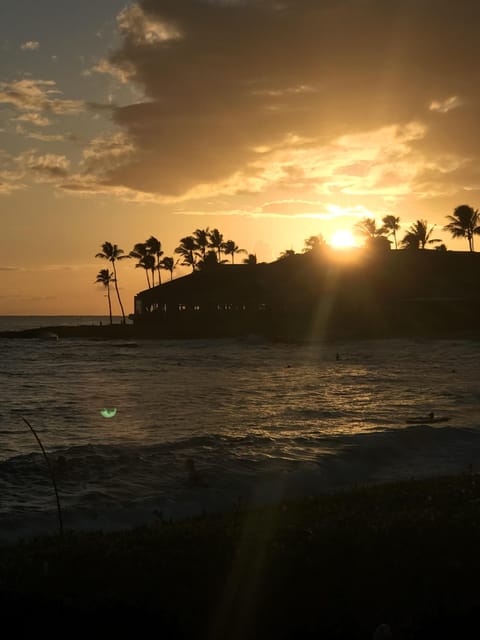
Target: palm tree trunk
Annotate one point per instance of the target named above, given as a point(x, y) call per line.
point(118, 292)
point(158, 268)
point(109, 303)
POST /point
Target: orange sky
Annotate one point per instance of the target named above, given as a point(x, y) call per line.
point(270, 120)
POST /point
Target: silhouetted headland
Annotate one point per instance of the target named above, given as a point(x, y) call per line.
point(321, 295)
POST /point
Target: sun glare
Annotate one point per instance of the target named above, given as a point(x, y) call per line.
point(342, 239)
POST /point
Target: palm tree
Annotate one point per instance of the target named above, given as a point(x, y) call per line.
point(168, 264)
point(230, 249)
point(210, 261)
point(288, 253)
point(216, 242)
point(186, 249)
point(148, 263)
point(465, 223)
point(202, 240)
point(314, 243)
point(154, 247)
point(251, 260)
point(367, 227)
point(391, 224)
point(418, 236)
point(105, 277)
point(145, 260)
point(112, 253)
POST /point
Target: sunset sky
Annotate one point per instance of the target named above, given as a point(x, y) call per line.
point(272, 120)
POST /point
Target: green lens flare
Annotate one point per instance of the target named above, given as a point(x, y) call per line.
point(108, 413)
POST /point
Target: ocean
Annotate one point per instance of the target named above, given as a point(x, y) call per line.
point(262, 421)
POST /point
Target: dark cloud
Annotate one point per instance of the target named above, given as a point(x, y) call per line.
point(223, 79)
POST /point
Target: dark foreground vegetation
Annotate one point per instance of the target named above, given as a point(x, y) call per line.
point(405, 554)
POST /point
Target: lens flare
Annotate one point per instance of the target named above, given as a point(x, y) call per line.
point(108, 413)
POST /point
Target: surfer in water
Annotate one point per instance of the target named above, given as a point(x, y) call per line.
point(60, 466)
point(195, 479)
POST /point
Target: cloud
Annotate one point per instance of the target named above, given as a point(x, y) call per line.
point(381, 162)
point(45, 168)
point(444, 106)
point(448, 176)
point(10, 176)
point(107, 151)
point(281, 209)
point(84, 185)
point(229, 85)
point(104, 66)
point(34, 118)
point(311, 209)
point(8, 186)
point(45, 137)
point(143, 29)
point(39, 96)
point(31, 45)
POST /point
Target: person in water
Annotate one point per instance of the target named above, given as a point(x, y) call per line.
point(195, 479)
point(60, 466)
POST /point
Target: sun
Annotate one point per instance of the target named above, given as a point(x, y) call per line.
point(342, 239)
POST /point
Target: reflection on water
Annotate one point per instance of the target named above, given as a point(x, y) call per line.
point(169, 390)
point(242, 411)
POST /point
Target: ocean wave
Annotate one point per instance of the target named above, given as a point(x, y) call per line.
point(115, 480)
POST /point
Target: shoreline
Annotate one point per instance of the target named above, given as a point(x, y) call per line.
point(104, 331)
point(333, 566)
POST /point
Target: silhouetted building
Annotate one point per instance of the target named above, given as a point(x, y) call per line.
point(324, 294)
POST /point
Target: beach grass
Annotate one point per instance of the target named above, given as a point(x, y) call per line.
point(406, 554)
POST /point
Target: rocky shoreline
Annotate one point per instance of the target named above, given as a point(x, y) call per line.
point(99, 332)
